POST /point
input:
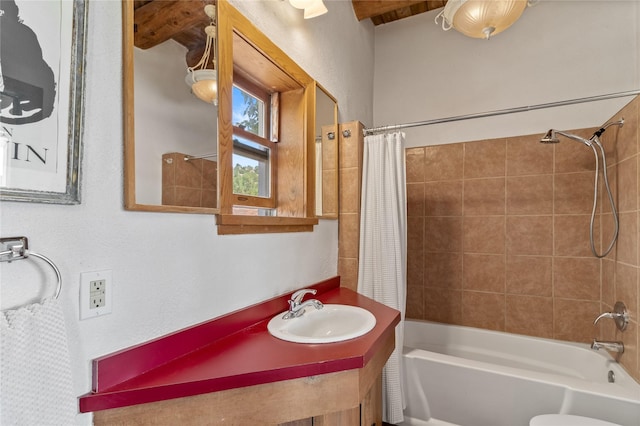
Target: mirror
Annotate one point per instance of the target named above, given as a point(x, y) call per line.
point(170, 134)
point(326, 139)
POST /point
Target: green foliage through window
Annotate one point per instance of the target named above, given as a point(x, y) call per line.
point(245, 180)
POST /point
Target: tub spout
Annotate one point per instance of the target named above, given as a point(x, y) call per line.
point(608, 345)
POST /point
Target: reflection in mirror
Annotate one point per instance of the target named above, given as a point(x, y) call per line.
point(171, 148)
point(326, 119)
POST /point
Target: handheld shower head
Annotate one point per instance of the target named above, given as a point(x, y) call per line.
point(550, 137)
point(599, 132)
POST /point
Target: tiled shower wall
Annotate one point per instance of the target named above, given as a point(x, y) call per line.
point(189, 183)
point(498, 236)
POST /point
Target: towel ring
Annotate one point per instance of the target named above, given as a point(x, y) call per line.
point(17, 249)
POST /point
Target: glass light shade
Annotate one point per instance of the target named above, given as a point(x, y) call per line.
point(204, 85)
point(316, 9)
point(301, 4)
point(484, 18)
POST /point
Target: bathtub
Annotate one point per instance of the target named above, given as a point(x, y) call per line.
point(471, 377)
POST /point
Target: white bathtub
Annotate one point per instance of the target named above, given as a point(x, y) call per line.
point(472, 377)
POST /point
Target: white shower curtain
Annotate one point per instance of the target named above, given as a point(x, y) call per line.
point(383, 249)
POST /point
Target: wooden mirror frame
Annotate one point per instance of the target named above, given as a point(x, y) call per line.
point(130, 203)
point(328, 173)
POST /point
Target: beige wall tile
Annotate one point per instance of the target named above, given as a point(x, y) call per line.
point(483, 310)
point(188, 196)
point(209, 198)
point(443, 198)
point(443, 305)
point(629, 358)
point(571, 235)
point(530, 194)
point(414, 158)
point(415, 303)
point(627, 245)
point(627, 287)
point(209, 174)
point(348, 271)
point(348, 235)
point(576, 278)
point(189, 173)
point(626, 136)
point(484, 196)
point(350, 149)
point(572, 156)
point(529, 275)
point(627, 177)
point(169, 195)
point(484, 272)
point(443, 162)
point(443, 234)
point(529, 315)
point(415, 268)
point(349, 182)
point(573, 193)
point(415, 234)
point(443, 270)
point(608, 291)
point(484, 234)
point(415, 199)
point(573, 319)
point(485, 158)
point(531, 235)
point(527, 156)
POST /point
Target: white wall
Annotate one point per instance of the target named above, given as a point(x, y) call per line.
point(557, 50)
point(172, 270)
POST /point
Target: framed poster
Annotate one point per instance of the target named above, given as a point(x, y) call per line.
point(42, 54)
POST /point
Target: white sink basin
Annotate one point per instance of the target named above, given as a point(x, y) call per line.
point(332, 323)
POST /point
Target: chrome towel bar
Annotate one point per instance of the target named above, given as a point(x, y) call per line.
point(16, 248)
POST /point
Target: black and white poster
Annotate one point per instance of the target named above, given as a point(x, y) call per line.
point(39, 71)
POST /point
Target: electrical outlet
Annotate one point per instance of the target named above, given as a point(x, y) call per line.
point(95, 293)
point(97, 296)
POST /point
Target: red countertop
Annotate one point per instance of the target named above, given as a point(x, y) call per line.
point(231, 351)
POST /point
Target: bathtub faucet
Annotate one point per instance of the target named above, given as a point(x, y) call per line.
point(620, 315)
point(297, 307)
point(608, 345)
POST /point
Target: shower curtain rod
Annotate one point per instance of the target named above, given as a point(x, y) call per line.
point(499, 112)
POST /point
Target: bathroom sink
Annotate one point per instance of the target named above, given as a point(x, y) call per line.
point(332, 323)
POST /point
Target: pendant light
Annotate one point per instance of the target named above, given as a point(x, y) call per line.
point(312, 8)
point(201, 79)
point(481, 18)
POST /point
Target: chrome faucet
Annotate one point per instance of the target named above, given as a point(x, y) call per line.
point(608, 345)
point(297, 307)
point(620, 315)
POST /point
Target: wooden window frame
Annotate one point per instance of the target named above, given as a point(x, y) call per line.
point(245, 52)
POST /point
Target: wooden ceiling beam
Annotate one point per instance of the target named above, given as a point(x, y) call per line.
point(159, 20)
point(370, 8)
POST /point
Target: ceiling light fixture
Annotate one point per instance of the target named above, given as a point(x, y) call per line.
point(312, 8)
point(201, 78)
point(481, 18)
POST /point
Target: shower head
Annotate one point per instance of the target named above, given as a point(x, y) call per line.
point(599, 132)
point(552, 137)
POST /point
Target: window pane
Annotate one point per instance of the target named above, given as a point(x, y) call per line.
point(248, 112)
point(251, 168)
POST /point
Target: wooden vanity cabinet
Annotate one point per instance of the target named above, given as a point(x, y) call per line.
point(343, 398)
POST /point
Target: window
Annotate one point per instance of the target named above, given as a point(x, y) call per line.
point(254, 152)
